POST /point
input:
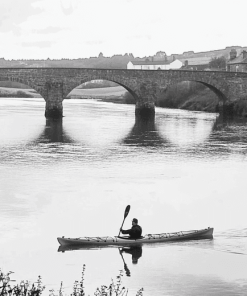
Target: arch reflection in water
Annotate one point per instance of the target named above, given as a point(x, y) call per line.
point(20, 120)
point(144, 133)
point(54, 133)
point(98, 124)
point(185, 128)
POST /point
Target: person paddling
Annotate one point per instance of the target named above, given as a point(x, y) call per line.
point(135, 232)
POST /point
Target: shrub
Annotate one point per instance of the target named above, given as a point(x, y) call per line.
point(25, 288)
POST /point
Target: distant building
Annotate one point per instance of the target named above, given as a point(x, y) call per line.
point(188, 53)
point(160, 55)
point(3, 62)
point(237, 63)
point(154, 65)
point(198, 64)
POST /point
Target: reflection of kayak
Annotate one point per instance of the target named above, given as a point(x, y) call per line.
point(148, 238)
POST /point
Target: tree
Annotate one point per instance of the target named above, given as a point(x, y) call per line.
point(218, 63)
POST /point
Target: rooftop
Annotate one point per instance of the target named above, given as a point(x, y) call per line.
point(150, 62)
point(241, 59)
point(197, 61)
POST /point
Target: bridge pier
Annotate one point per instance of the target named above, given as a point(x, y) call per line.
point(54, 100)
point(145, 107)
point(145, 110)
point(230, 109)
point(225, 109)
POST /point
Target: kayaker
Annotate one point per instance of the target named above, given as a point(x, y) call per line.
point(135, 232)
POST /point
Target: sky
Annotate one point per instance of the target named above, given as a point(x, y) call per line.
point(55, 29)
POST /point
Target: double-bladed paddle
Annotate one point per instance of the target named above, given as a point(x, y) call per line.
point(126, 212)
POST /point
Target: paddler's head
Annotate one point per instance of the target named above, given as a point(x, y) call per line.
point(134, 221)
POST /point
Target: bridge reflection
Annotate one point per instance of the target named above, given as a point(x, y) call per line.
point(144, 133)
point(166, 134)
point(54, 133)
point(227, 130)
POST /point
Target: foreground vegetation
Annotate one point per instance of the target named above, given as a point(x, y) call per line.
point(25, 288)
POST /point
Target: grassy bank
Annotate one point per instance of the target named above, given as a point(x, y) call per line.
point(6, 92)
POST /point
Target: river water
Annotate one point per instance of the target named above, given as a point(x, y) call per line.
point(75, 178)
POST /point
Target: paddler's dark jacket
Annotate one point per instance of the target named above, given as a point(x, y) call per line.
point(134, 233)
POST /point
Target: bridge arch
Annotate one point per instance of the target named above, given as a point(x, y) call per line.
point(219, 90)
point(219, 94)
point(25, 82)
point(70, 86)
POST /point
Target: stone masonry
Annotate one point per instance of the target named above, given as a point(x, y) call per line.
point(54, 84)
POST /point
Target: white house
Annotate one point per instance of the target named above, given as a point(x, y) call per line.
point(154, 65)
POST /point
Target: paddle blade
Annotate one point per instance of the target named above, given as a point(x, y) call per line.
point(126, 211)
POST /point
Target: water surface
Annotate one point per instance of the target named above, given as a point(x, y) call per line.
point(75, 177)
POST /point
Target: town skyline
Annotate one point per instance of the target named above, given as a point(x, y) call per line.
point(185, 53)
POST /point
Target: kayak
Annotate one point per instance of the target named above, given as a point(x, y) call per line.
point(206, 233)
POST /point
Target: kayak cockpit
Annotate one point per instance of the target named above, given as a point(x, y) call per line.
point(131, 239)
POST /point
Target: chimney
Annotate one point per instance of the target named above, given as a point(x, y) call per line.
point(244, 54)
point(233, 54)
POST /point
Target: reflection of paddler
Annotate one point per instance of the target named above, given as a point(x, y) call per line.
point(136, 253)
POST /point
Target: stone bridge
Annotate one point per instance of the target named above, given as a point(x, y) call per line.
point(54, 84)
